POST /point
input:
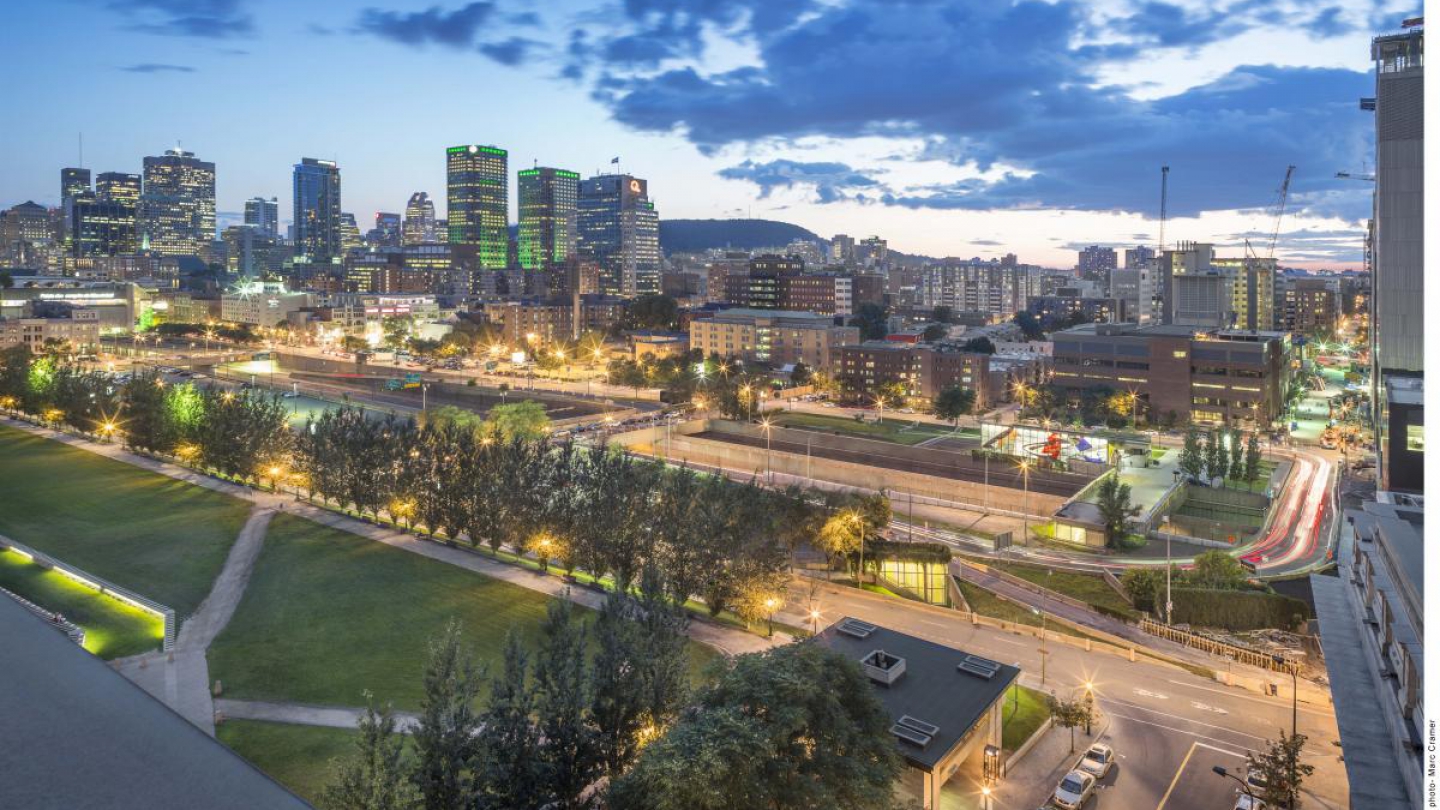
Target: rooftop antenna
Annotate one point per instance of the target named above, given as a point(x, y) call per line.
point(80, 138)
point(1164, 193)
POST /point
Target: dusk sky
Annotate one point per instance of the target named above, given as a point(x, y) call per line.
point(950, 128)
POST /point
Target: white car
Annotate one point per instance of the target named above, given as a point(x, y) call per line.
point(1074, 790)
point(1245, 802)
point(1097, 761)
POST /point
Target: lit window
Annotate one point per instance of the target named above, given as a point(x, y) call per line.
point(1415, 438)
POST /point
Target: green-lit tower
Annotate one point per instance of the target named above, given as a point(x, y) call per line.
point(476, 196)
point(547, 218)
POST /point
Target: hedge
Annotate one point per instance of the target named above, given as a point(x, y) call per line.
point(926, 552)
point(1237, 610)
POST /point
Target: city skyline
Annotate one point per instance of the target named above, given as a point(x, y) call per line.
point(646, 84)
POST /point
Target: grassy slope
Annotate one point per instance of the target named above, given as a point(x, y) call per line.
point(113, 629)
point(328, 615)
point(888, 430)
point(161, 538)
point(1025, 710)
point(1088, 588)
point(297, 757)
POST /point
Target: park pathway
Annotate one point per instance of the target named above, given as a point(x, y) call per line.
point(181, 678)
point(305, 715)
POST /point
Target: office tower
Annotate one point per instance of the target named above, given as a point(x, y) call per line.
point(387, 229)
point(73, 182)
point(100, 227)
point(419, 228)
point(121, 192)
point(118, 187)
point(872, 250)
point(617, 226)
point(177, 203)
point(842, 249)
point(251, 252)
point(264, 215)
point(1397, 311)
point(1096, 263)
point(476, 181)
point(349, 233)
point(317, 211)
point(547, 218)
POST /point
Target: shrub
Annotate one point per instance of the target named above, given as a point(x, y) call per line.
point(1237, 610)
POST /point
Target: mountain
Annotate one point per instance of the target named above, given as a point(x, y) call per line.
point(695, 235)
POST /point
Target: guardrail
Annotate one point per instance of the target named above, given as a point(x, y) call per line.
point(1242, 654)
point(53, 618)
point(106, 587)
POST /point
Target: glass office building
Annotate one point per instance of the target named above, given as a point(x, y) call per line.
point(477, 201)
point(317, 210)
point(177, 203)
point(618, 227)
point(547, 217)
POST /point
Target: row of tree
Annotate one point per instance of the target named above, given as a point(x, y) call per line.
point(1221, 454)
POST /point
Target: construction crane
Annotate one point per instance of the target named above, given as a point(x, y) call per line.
point(1164, 191)
point(1369, 178)
point(1280, 208)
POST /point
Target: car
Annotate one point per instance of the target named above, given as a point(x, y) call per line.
point(1097, 761)
point(827, 405)
point(1074, 791)
point(1247, 802)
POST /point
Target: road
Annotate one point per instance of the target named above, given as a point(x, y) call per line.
point(1168, 725)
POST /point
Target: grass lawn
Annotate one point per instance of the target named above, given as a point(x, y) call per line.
point(988, 604)
point(1088, 588)
point(328, 615)
point(890, 430)
point(1025, 709)
point(297, 757)
point(159, 537)
point(113, 629)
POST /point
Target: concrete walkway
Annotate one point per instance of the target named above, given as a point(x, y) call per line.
point(181, 678)
point(304, 715)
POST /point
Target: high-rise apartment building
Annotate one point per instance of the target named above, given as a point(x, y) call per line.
point(476, 180)
point(177, 204)
point(842, 249)
point(618, 227)
point(978, 286)
point(264, 215)
point(349, 233)
point(317, 211)
point(1139, 256)
point(1239, 295)
point(1096, 262)
point(419, 227)
point(548, 199)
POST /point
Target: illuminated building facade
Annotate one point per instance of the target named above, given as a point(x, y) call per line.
point(264, 215)
point(317, 211)
point(618, 227)
point(177, 204)
point(419, 226)
point(476, 201)
point(547, 218)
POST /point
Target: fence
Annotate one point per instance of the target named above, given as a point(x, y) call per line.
point(1220, 648)
point(103, 586)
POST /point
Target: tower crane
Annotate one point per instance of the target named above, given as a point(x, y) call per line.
point(1280, 208)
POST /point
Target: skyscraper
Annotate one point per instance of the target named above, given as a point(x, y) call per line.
point(477, 199)
point(264, 215)
point(317, 210)
point(547, 218)
point(73, 182)
point(387, 229)
point(349, 233)
point(118, 187)
point(177, 204)
point(419, 228)
point(1096, 262)
point(618, 227)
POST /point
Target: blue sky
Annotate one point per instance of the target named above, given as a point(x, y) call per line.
point(951, 128)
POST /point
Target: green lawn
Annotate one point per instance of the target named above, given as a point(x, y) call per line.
point(891, 430)
point(113, 629)
point(988, 604)
point(328, 615)
point(1025, 709)
point(297, 757)
point(162, 538)
point(1088, 588)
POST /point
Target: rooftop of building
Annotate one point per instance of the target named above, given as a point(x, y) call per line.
point(947, 691)
point(1169, 330)
point(741, 313)
point(1405, 390)
point(78, 734)
point(1401, 528)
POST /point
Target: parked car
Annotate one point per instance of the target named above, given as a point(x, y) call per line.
point(1074, 791)
point(1245, 802)
point(1097, 761)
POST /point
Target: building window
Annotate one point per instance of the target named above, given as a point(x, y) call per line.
point(1415, 438)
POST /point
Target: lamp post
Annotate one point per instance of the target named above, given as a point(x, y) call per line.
point(814, 621)
point(770, 605)
point(985, 794)
point(860, 566)
point(1294, 719)
point(1245, 786)
point(1089, 705)
point(769, 472)
point(1169, 605)
point(1025, 508)
point(1043, 653)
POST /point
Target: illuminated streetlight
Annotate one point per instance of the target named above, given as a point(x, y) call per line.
point(770, 605)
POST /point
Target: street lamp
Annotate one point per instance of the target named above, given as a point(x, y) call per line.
point(814, 622)
point(769, 472)
point(770, 604)
point(1025, 509)
point(860, 566)
point(985, 794)
point(1294, 718)
point(1169, 605)
point(1043, 653)
point(1245, 786)
point(1089, 704)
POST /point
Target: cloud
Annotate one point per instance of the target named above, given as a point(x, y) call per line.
point(831, 182)
point(157, 67)
point(986, 243)
point(511, 52)
point(203, 19)
point(434, 25)
point(1020, 103)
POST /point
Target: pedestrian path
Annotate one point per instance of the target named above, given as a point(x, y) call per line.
point(305, 715)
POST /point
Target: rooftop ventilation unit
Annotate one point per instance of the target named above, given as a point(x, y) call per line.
point(979, 667)
point(856, 628)
point(882, 667)
point(914, 730)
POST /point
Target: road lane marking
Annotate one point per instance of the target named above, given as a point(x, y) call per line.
point(1176, 780)
point(1206, 707)
point(1149, 694)
point(1231, 693)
